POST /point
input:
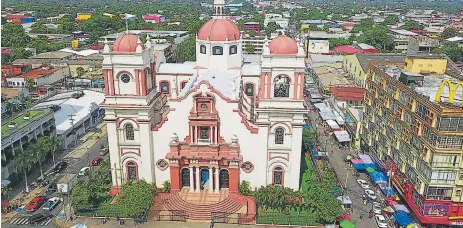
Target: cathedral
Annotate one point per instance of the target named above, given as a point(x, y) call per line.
point(209, 124)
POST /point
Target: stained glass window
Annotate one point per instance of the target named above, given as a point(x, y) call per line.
point(131, 171)
point(278, 176)
point(279, 135)
point(129, 132)
point(281, 87)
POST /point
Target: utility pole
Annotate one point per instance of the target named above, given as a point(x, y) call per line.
point(71, 118)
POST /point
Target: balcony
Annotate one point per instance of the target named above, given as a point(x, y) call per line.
point(204, 141)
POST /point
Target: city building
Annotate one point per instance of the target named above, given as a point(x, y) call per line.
point(55, 55)
point(318, 46)
point(154, 18)
point(401, 38)
point(278, 19)
point(252, 26)
point(353, 120)
point(257, 43)
point(357, 65)
point(18, 132)
point(413, 127)
point(15, 69)
point(13, 95)
point(204, 126)
point(42, 76)
point(83, 16)
point(426, 64)
point(157, 37)
point(56, 38)
point(77, 112)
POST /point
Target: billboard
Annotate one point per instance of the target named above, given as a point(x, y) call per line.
point(453, 87)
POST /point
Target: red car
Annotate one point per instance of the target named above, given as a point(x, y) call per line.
point(36, 203)
point(96, 161)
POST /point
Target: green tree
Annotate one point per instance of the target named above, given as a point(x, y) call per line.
point(30, 85)
point(20, 53)
point(365, 25)
point(308, 139)
point(66, 25)
point(135, 198)
point(39, 152)
point(80, 71)
point(245, 188)
point(377, 37)
point(271, 27)
point(186, 50)
point(13, 35)
point(391, 20)
point(338, 42)
point(22, 162)
point(453, 51)
point(52, 143)
point(81, 196)
point(412, 25)
point(250, 48)
point(252, 33)
point(448, 33)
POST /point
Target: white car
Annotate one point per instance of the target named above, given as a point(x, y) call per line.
point(363, 183)
point(51, 203)
point(376, 207)
point(381, 221)
point(370, 193)
point(84, 171)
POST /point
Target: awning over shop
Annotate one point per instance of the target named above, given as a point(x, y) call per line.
point(359, 166)
point(402, 218)
point(401, 207)
point(376, 176)
point(342, 136)
point(356, 161)
point(345, 200)
point(366, 159)
point(333, 125)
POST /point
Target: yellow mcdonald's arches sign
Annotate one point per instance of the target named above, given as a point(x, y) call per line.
point(75, 44)
point(452, 90)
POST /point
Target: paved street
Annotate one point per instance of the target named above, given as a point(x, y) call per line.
point(342, 169)
point(76, 162)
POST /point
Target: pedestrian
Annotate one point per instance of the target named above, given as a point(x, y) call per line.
point(361, 217)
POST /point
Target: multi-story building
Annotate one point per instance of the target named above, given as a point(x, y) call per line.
point(258, 43)
point(278, 19)
point(41, 76)
point(408, 128)
point(154, 18)
point(252, 26)
point(157, 37)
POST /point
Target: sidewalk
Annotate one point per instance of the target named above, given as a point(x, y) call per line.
point(88, 140)
point(97, 223)
point(22, 199)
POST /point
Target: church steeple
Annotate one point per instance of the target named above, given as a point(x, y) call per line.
point(219, 9)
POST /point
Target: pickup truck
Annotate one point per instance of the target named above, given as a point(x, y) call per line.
point(66, 183)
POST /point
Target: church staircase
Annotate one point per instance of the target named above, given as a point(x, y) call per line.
point(198, 206)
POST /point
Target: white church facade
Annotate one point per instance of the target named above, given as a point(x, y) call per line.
point(206, 125)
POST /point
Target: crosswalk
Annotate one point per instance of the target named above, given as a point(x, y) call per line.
point(25, 221)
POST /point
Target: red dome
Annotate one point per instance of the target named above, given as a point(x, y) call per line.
point(126, 42)
point(219, 30)
point(283, 45)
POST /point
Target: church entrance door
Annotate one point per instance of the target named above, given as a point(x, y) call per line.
point(223, 178)
point(186, 177)
point(204, 177)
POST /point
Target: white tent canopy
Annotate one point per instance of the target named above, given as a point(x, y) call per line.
point(342, 136)
point(333, 125)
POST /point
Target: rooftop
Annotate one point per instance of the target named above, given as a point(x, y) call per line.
point(177, 68)
point(403, 32)
point(430, 84)
point(9, 93)
point(364, 59)
point(348, 93)
point(21, 122)
point(331, 74)
point(53, 55)
point(39, 72)
point(152, 33)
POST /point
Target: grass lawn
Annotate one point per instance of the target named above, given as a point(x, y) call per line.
point(21, 122)
point(290, 217)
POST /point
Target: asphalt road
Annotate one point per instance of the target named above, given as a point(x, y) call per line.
point(353, 190)
point(74, 166)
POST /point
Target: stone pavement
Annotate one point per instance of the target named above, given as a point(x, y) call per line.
point(21, 199)
point(88, 140)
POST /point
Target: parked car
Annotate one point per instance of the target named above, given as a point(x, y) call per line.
point(36, 203)
point(370, 193)
point(51, 203)
point(35, 219)
point(376, 207)
point(96, 161)
point(381, 221)
point(363, 183)
point(104, 151)
point(84, 171)
point(60, 167)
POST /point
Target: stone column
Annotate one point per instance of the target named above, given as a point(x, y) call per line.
point(192, 188)
point(12, 149)
point(217, 170)
point(174, 176)
point(210, 179)
point(198, 189)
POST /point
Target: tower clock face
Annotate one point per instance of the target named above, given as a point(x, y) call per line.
point(125, 78)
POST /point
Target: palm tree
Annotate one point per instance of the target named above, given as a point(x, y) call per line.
point(30, 85)
point(22, 162)
point(38, 153)
point(52, 144)
point(80, 71)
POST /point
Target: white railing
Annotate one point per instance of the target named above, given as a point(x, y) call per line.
point(204, 141)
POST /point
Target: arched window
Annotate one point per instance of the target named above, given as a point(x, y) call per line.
point(281, 87)
point(278, 176)
point(217, 50)
point(129, 134)
point(279, 135)
point(249, 89)
point(202, 49)
point(182, 85)
point(233, 49)
point(132, 172)
point(165, 87)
